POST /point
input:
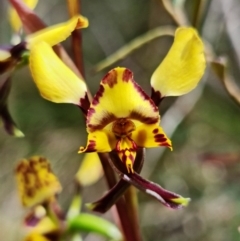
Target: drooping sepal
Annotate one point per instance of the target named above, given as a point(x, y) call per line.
point(182, 68)
point(167, 198)
point(111, 197)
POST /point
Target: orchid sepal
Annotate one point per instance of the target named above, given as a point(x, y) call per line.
point(167, 198)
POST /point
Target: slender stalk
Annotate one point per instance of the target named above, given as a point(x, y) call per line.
point(74, 8)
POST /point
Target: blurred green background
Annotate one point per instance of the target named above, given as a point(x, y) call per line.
point(204, 164)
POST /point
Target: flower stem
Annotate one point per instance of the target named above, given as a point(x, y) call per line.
point(132, 211)
point(74, 8)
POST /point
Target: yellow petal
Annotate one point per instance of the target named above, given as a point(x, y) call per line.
point(57, 33)
point(99, 141)
point(36, 237)
point(183, 66)
point(90, 170)
point(119, 96)
point(55, 81)
point(36, 182)
point(14, 18)
point(150, 136)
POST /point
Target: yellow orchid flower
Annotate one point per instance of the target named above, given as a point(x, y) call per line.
point(122, 118)
point(36, 182)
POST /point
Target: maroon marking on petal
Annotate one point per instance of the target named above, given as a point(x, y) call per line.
point(155, 131)
point(165, 144)
point(110, 78)
point(144, 95)
point(144, 119)
point(160, 139)
point(159, 136)
point(108, 118)
point(91, 146)
point(84, 104)
point(156, 97)
point(98, 95)
point(124, 157)
point(127, 75)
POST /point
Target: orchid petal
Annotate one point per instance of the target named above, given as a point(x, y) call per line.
point(150, 136)
point(55, 81)
point(120, 96)
point(57, 33)
point(99, 141)
point(36, 182)
point(183, 67)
